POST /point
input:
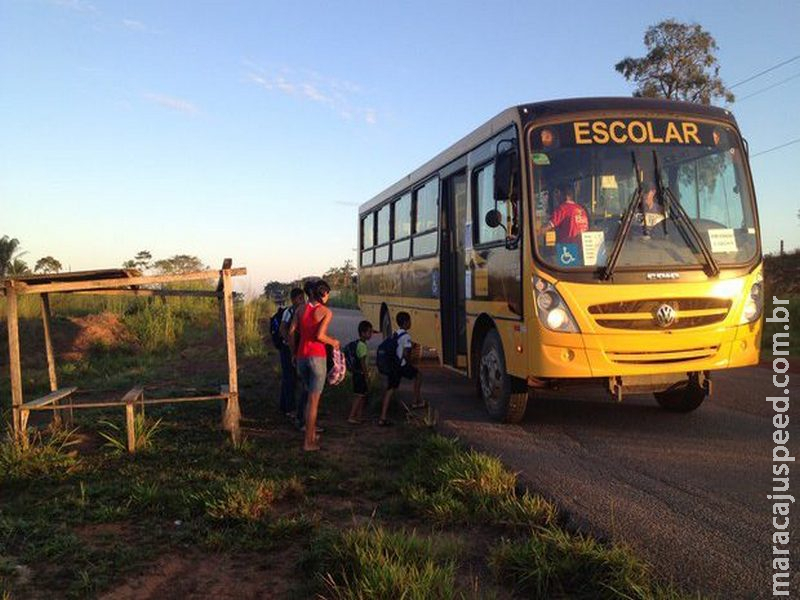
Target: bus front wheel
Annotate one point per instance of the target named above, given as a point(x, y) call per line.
point(505, 397)
point(683, 397)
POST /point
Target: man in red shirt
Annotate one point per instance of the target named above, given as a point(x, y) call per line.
point(569, 219)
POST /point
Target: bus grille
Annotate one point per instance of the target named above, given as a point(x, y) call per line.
point(662, 357)
point(640, 314)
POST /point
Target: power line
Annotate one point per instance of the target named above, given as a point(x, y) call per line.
point(765, 71)
point(789, 143)
point(769, 87)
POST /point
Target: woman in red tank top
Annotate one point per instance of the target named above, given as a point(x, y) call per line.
point(312, 357)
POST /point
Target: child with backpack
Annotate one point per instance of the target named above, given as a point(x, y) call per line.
point(279, 328)
point(394, 361)
point(356, 356)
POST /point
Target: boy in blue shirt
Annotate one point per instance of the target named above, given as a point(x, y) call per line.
point(360, 373)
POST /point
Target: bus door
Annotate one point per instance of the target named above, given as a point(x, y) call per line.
point(453, 307)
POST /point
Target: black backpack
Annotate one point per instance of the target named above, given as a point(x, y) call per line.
point(386, 360)
point(275, 328)
point(350, 358)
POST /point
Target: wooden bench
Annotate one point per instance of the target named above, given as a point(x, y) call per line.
point(43, 403)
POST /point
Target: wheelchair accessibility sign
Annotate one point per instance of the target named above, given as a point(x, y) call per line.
point(568, 255)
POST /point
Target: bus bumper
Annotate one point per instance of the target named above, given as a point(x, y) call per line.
point(660, 353)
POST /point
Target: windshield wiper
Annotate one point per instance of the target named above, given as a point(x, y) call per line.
point(673, 208)
point(627, 219)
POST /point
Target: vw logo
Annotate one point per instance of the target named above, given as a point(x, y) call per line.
point(665, 315)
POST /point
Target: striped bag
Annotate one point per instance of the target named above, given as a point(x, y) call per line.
point(337, 366)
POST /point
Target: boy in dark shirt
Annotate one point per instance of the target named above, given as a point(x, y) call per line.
point(360, 373)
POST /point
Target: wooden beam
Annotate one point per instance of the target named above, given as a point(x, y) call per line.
point(27, 288)
point(226, 264)
point(147, 402)
point(12, 318)
point(232, 413)
point(48, 342)
point(140, 292)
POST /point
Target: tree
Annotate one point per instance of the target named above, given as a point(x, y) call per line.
point(47, 264)
point(275, 288)
point(680, 65)
point(340, 278)
point(180, 263)
point(8, 252)
point(17, 268)
point(141, 261)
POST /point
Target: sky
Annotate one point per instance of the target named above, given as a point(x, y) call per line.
point(254, 129)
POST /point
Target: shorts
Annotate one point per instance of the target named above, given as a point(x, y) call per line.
point(312, 372)
point(406, 371)
point(359, 383)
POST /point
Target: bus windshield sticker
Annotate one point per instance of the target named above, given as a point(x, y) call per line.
point(608, 182)
point(435, 283)
point(540, 158)
point(468, 283)
point(568, 255)
point(593, 246)
point(722, 240)
point(550, 238)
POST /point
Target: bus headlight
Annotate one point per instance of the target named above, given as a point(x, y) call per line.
point(754, 304)
point(553, 311)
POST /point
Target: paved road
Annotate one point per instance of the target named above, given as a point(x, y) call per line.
point(687, 492)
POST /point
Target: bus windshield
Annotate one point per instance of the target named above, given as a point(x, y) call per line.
point(588, 174)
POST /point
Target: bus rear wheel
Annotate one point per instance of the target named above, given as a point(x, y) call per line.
point(505, 397)
point(683, 397)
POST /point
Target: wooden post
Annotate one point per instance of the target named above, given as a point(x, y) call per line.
point(12, 316)
point(130, 425)
point(232, 413)
point(23, 427)
point(51, 361)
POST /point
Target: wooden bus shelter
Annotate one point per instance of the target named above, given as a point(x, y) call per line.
point(115, 282)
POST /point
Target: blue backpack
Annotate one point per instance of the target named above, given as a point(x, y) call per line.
point(275, 327)
point(386, 360)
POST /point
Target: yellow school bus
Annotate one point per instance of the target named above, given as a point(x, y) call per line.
point(596, 241)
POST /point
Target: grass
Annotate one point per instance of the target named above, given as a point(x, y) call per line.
point(380, 513)
point(47, 453)
point(450, 485)
point(155, 324)
point(371, 562)
point(554, 563)
point(249, 498)
point(144, 431)
point(344, 298)
point(249, 316)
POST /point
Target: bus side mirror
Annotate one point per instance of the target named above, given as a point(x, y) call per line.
point(494, 218)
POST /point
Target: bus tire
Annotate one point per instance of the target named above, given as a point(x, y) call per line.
point(683, 397)
point(505, 399)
